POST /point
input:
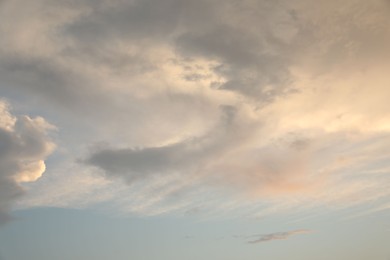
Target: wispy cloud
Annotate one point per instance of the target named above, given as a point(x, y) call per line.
point(278, 236)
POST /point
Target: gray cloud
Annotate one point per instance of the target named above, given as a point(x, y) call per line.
point(223, 157)
point(278, 236)
point(185, 156)
point(37, 75)
point(253, 62)
point(255, 42)
point(23, 147)
point(84, 38)
point(73, 54)
point(133, 20)
point(140, 162)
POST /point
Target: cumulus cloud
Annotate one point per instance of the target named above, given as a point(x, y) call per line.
point(24, 146)
point(278, 236)
point(271, 99)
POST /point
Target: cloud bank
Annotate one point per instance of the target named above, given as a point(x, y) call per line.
point(282, 103)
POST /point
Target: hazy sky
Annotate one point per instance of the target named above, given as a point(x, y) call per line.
point(194, 129)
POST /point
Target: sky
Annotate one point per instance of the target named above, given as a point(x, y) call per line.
point(207, 129)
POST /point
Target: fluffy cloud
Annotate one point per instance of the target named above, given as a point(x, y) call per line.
point(24, 145)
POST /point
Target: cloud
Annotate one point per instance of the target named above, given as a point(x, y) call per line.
point(267, 102)
point(24, 146)
point(253, 59)
point(73, 53)
point(219, 157)
point(141, 162)
point(278, 236)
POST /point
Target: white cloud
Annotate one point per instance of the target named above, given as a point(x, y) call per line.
point(24, 145)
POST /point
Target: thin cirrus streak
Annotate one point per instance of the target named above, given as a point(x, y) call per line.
point(278, 236)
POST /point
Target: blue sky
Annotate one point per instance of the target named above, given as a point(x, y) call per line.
point(174, 129)
point(88, 234)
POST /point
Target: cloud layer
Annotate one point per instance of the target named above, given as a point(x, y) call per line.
point(280, 103)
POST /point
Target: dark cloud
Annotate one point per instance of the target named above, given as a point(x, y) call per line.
point(255, 44)
point(36, 75)
point(220, 158)
point(142, 162)
point(247, 62)
point(96, 34)
point(133, 20)
point(187, 155)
